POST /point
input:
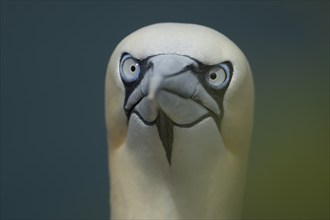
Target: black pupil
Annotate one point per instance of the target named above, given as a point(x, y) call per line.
point(213, 76)
point(133, 68)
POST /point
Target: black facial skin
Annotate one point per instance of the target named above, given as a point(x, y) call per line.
point(165, 124)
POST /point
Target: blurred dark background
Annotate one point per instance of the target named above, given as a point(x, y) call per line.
point(53, 61)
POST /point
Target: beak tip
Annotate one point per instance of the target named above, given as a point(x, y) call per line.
point(151, 96)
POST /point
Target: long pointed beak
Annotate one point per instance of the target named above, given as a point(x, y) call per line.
point(164, 66)
point(173, 73)
point(169, 94)
point(154, 85)
point(171, 84)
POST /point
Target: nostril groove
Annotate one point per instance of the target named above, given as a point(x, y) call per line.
point(195, 93)
point(143, 92)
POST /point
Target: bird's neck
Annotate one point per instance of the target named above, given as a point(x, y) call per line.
point(204, 180)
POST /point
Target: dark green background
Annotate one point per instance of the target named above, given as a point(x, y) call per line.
point(53, 61)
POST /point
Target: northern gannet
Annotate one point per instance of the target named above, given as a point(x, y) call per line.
point(179, 111)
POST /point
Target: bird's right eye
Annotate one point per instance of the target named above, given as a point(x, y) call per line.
point(129, 69)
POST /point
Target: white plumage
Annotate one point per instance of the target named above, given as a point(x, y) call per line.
point(179, 123)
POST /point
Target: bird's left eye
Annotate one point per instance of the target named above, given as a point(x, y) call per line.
point(129, 69)
point(218, 76)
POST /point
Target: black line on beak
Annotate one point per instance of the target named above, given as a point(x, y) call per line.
point(165, 131)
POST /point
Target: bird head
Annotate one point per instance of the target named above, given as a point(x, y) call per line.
point(173, 74)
